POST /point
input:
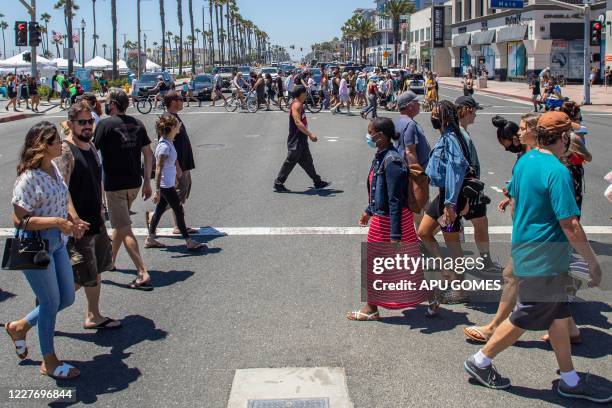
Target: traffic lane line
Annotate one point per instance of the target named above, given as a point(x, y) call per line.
point(277, 231)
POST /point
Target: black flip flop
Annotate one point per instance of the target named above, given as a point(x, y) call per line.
point(145, 286)
point(104, 325)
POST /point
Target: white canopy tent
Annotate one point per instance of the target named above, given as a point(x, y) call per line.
point(17, 61)
point(63, 63)
point(151, 66)
point(122, 65)
point(99, 63)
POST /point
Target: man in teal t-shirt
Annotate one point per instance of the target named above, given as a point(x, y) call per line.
point(545, 222)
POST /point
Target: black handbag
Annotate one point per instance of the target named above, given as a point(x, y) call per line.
point(21, 252)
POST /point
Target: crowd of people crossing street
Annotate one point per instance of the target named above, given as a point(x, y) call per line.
point(71, 180)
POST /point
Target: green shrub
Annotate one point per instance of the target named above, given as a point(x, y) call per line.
point(117, 83)
point(43, 91)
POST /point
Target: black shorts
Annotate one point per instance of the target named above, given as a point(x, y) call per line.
point(541, 301)
point(476, 211)
point(436, 209)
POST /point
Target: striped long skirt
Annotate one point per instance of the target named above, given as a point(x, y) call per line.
point(379, 232)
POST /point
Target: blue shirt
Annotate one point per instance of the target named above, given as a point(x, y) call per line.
point(543, 194)
point(447, 165)
point(411, 133)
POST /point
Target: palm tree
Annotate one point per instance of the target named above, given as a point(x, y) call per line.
point(197, 37)
point(114, 23)
point(234, 31)
point(3, 26)
point(104, 47)
point(394, 9)
point(162, 14)
point(57, 40)
point(363, 30)
point(212, 39)
point(219, 32)
point(69, 7)
point(169, 35)
point(46, 17)
point(179, 9)
point(229, 32)
point(192, 40)
point(95, 36)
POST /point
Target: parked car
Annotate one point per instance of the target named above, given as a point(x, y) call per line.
point(417, 84)
point(149, 80)
point(226, 75)
point(245, 69)
point(201, 85)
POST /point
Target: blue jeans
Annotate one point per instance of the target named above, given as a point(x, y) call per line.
point(371, 107)
point(54, 289)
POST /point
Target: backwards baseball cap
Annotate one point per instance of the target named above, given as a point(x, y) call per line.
point(556, 122)
point(405, 98)
point(468, 102)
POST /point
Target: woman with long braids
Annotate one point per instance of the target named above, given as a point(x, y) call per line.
point(447, 169)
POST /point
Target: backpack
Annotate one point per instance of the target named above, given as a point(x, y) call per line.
point(416, 193)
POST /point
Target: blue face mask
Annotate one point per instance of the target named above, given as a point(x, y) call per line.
point(370, 141)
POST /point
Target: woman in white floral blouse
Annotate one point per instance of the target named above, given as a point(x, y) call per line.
point(41, 196)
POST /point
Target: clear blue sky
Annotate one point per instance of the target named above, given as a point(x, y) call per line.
point(319, 20)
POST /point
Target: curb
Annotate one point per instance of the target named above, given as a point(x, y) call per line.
point(17, 117)
point(523, 98)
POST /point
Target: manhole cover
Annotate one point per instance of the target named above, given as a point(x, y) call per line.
point(290, 403)
point(212, 146)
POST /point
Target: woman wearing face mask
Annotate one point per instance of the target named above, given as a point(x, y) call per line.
point(446, 169)
point(390, 222)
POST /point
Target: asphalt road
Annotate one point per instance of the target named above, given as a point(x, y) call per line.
point(280, 300)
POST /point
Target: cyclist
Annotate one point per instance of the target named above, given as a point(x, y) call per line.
point(238, 85)
point(160, 88)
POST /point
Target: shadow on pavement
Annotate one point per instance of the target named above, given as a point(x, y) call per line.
point(415, 319)
point(186, 253)
point(108, 373)
point(592, 314)
point(327, 192)
point(4, 295)
point(595, 344)
point(601, 248)
point(550, 396)
point(159, 279)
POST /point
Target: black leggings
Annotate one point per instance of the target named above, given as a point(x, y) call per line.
point(170, 197)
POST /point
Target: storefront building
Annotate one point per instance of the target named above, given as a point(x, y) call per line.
point(514, 44)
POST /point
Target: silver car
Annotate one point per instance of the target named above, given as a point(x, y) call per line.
point(417, 84)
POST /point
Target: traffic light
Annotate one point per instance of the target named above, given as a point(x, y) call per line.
point(21, 34)
point(596, 27)
point(35, 35)
point(27, 57)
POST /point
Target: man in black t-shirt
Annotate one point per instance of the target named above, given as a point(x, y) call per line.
point(122, 139)
point(90, 254)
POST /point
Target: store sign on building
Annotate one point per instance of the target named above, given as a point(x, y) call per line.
point(506, 4)
point(513, 20)
point(438, 26)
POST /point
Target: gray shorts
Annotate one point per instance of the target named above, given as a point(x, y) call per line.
point(90, 256)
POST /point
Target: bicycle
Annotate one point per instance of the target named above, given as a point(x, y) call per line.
point(313, 102)
point(144, 104)
point(250, 100)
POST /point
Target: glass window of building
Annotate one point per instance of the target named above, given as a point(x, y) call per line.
point(428, 34)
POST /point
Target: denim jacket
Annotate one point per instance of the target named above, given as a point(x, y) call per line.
point(447, 166)
point(386, 195)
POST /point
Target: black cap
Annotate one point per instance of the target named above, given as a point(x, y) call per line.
point(468, 102)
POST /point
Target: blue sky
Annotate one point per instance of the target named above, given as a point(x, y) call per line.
point(316, 21)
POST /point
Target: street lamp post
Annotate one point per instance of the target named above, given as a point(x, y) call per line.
point(83, 42)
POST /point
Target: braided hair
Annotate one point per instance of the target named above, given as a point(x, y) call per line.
point(447, 112)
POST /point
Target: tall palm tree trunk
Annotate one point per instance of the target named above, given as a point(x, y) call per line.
point(229, 32)
point(193, 69)
point(95, 36)
point(162, 14)
point(219, 39)
point(212, 37)
point(114, 24)
point(179, 9)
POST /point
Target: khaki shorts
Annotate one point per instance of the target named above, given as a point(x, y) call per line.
point(90, 256)
point(183, 187)
point(119, 204)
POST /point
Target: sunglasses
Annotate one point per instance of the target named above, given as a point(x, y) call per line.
point(83, 122)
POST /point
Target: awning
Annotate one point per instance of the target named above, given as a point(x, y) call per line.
point(512, 33)
point(461, 40)
point(483, 37)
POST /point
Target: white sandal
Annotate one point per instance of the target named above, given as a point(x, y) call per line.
point(363, 317)
point(21, 348)
point(61, 372)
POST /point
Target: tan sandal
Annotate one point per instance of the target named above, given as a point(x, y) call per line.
point(474, 334)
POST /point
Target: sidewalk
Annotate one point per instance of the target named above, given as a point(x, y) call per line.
point(44, 108)
point(600, 100)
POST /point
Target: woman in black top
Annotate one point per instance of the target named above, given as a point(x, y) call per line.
point(260, 88)
point(11, 91)
point(269, 90)
point(33, 90)
point(24, 92)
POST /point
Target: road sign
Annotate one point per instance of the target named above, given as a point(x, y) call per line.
point(386, 54)
point(405, 17)
point(506, 4)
